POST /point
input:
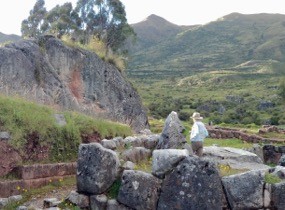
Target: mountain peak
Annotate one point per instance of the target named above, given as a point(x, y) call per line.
point(156, 20)
point(155, 17)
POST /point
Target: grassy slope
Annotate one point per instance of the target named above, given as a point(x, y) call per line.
point(24, 120)
point(225, 43)
point(8, 38)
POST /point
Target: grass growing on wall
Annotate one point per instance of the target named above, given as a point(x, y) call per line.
point(23, 119)
point(272, 179)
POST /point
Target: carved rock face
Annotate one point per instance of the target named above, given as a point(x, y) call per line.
point(49, 72)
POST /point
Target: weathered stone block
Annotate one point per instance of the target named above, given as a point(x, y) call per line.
point(139, 190)
point(193, 184)
point(97, 168)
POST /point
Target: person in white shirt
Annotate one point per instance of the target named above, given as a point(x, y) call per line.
point(198, 134)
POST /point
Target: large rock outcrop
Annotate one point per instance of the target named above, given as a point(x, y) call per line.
point(49, 72)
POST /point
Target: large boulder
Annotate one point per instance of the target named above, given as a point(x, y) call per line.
point(49, 72)
point(97, 168)
point(139, 190)
point(245, 191)
point(164, 160)
point(172, 135)
point(193, 184)
point(235, 158)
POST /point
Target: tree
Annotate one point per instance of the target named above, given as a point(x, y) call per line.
point(102, 19)
point(105, 19)
point(61, 20)
point(32, 26)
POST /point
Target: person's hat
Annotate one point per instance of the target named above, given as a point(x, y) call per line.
point(196, 116)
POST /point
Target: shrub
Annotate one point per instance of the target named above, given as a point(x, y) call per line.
point(271, 178)
point(184, 115)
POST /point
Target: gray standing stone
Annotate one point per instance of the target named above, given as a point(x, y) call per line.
point(165, 160)
point(139, 190)
point(278, 196)
point(97, 168)
point(98, 202)
point(194, 184)
point(172, 135)
point(245, 191)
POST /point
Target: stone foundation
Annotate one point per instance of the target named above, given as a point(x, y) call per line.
point(35, 176)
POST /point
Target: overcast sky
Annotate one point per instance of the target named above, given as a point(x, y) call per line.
point(180, 12)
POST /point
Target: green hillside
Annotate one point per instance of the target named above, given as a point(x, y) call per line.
point(231, 70)
point(226, 43)
point(8, 38)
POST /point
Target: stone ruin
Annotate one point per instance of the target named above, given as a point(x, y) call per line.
point(178, 179)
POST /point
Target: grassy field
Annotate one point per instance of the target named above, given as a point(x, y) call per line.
point(235, 96)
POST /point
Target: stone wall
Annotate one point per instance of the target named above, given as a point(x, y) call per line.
point(225, 133)
point(173, 182)
point(35, 176)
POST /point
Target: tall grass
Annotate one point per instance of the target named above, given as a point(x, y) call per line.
point(98, 47)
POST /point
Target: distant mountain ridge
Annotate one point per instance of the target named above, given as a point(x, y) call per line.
point(228, 42)
point(8, 38)
point(153, 30)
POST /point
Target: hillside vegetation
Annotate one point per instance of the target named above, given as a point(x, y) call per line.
point(231, 70)
point(226, 43)
point(4, 38)
point(38, 138)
